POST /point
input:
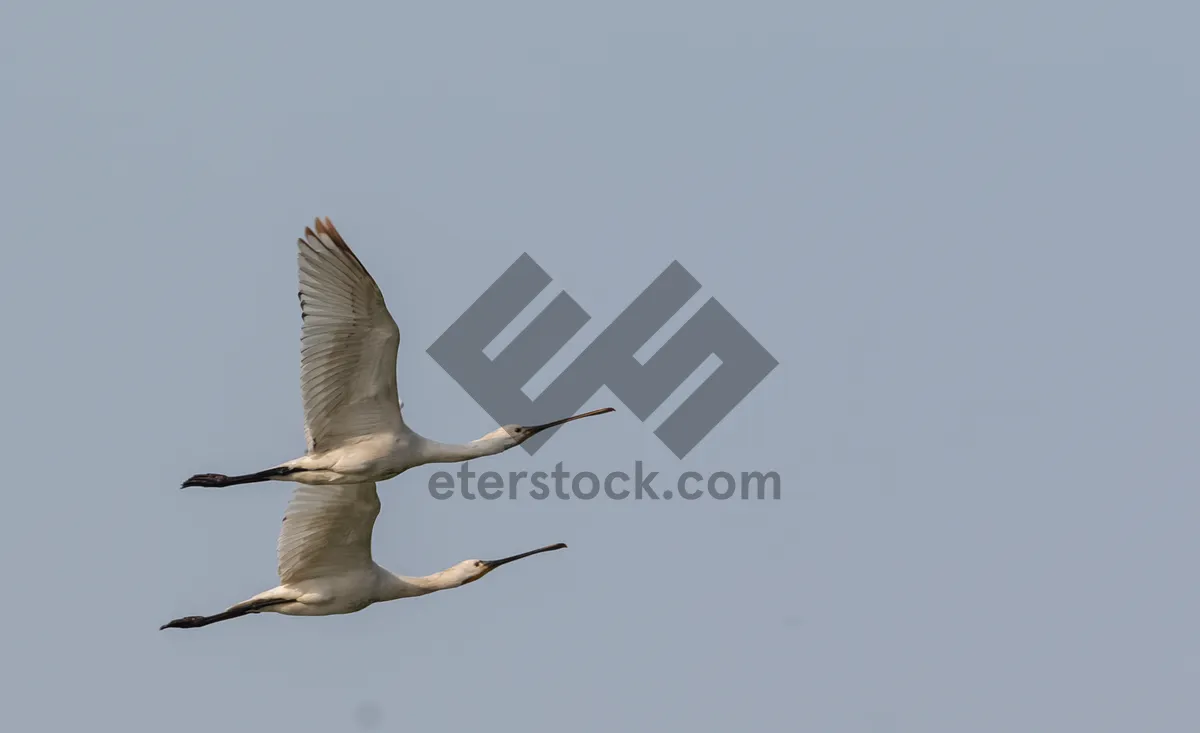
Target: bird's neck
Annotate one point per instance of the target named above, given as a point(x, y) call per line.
point(434, 452)
point(405, 586)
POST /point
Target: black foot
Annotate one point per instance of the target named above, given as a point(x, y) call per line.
point(208, 480)
point(187, 622)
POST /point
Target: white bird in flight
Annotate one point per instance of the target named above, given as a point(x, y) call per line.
point(352, 422)
point(325, 563)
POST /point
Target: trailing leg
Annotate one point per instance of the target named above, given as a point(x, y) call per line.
point(220, 480)
point(241, 609)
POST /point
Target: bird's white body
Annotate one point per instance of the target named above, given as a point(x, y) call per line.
point(348, 592)
point(353, 421)
point(371, 458)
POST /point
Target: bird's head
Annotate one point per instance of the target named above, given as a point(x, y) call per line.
point(468, 571)
point(510, 436)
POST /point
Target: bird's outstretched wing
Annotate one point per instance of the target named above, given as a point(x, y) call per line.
point(348, 345)
point(327, 531)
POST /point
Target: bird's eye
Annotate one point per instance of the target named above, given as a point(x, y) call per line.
point(478, 563)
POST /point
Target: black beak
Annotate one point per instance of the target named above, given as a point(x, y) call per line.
point(539, 428)
point(493, 564)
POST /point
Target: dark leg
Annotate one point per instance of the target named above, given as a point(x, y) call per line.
point(241, 609)
point(219, 480)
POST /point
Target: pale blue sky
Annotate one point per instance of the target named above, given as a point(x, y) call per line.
point(968, 236)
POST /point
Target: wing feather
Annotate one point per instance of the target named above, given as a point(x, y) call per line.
point(348, 345)
point(327, 531)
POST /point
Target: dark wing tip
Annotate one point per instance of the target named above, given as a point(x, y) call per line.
point(326, 227)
